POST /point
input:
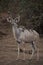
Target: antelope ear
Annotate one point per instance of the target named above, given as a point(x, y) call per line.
point(17, 19)
point(9, 19)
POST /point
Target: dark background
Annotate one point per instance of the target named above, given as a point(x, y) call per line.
point(31, 12)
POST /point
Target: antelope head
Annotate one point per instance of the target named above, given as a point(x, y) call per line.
point(13, 20)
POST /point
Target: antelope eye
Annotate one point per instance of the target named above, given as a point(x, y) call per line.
point(9, 18)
